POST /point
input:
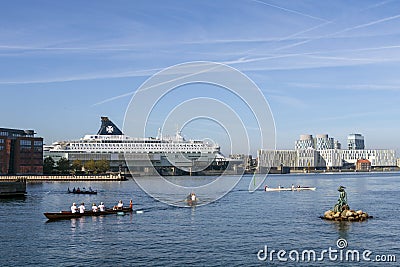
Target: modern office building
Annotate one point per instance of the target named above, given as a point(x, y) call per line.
point(320, 142)
point(355, 141)
point(323, 152)
point(20, 152)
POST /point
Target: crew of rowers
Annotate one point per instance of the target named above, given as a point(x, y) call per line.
point(81, 208)
point(79, 190)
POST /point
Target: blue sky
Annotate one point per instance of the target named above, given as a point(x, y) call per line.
point(324, 66)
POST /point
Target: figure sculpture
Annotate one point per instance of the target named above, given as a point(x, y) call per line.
point(341, 205)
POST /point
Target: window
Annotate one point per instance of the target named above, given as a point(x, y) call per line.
point(37, 143)
point(25, 142)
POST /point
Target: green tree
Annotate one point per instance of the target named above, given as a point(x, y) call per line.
point(77, 165)
point(63, 166)
point(90, 166)
point(48, 165)
point(102, 166)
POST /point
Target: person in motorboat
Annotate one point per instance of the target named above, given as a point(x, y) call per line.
point(102, 207)
point(95, 208)
point(74, 208)
point(82, 208)
point(191, 198)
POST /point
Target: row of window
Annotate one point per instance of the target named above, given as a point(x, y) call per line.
point(25, 142)
point(137, 145)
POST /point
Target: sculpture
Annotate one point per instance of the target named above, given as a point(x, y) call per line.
point(341, 205)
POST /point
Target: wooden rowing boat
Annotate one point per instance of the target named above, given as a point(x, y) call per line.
point(267, 189)
point(87, 192)
point(66, 215)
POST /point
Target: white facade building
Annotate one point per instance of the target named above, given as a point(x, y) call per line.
point(327, 158)
point(377, 157)
point(355, 141)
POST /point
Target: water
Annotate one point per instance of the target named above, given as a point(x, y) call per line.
point(228, 232)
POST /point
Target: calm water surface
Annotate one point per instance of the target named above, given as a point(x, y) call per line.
point(228, 232)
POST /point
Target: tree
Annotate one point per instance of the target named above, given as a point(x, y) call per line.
point(102, 166)
point(63, 166)
point(90, 166)
point(77, 165)
point(48, 165)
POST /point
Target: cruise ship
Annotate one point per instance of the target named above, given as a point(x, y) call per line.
point(138, 154)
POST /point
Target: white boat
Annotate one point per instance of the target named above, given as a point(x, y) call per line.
point(270, 189)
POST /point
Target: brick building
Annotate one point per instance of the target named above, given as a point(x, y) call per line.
point(20, 152)
point(363, 165)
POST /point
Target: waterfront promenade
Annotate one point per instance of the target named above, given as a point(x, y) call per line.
point(31, 178)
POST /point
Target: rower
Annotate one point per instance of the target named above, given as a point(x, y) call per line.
point(94, 207)
point(74, 208)
point(292, 187)
point(119, 206)
point(82, 208)
point(102, 207)
point(130, 204)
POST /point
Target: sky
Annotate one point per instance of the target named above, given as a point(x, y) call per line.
point(322, 66)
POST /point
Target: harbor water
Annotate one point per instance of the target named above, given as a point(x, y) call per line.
point(233, 231)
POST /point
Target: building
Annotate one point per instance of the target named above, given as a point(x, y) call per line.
point(320, 142)
point(377, 157)
point(363, 165)
point(355, 141)
point(325, 159)
point(305, 141)
point(20, 152)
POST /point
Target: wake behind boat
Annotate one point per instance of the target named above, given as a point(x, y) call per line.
point(301, 188)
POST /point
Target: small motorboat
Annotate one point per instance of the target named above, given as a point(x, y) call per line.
point(191, 199)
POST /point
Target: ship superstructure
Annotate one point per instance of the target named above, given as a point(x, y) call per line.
point(112, 144)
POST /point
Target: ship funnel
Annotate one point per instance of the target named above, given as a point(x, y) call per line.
point(108, 128)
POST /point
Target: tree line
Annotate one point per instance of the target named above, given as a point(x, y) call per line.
point(64, 166)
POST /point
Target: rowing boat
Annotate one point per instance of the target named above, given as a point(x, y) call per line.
point(87, 192)
point(66, 215)
point(267, 189)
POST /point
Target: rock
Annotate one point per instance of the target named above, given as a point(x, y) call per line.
point(328, 213)
point(346, 215)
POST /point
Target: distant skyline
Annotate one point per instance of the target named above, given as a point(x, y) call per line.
point(323, 66)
